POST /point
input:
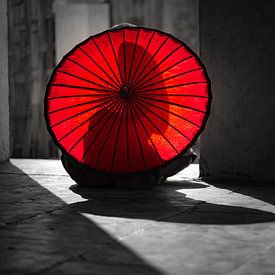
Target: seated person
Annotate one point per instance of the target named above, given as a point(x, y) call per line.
point(88, 177)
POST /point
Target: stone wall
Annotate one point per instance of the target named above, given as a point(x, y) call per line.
point(4, 84)
point(237, 47)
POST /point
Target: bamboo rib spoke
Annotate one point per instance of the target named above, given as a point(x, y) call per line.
point(84, 95)
point(92, 73)
point(137, 135)
point(80, 113)
point(172, 86)
point(143, 126)
point(79, 104)
point(168, 78)
point(127, 135)
point(164, 120)
point(167, 95)
point(86, 80)
point(124, 52)
point(150, 60)
point(168, 111)
point(172, 103)
point(90, 128)
point(110, 105)
point(106, 74)
point(113, 50)
point(117, 80)
point(165, 70)
point(108, 135)
point(160, 132)
point(117, 137)
point(158, 64)
point(83, 88)
point(144, 52)
point(133, 57)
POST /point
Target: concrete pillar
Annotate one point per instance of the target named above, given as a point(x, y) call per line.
point(237, 47)
point(4, 84)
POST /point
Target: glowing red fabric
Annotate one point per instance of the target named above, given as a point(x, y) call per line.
point(127, 100)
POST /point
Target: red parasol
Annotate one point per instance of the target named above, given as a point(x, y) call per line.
point(127, 100)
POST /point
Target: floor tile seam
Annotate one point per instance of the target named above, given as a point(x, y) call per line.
point(79, 256)
point(7, 237)
point(82, 257)
point(58, 263)
point(186, 211)
point(160, 219)
point(32, 174)
point(23, 201)
point(34, 216)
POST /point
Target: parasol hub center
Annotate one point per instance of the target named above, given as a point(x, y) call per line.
point(126, 92)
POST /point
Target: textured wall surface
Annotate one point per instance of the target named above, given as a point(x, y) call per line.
point(75, 21)
point(237, 46)
point(4, 84)
point(31, 59)
point(178, 17)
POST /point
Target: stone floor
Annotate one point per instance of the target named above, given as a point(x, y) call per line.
point(184, 226)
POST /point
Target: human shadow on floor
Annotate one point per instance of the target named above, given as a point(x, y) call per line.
point(40, 233)
point(164, 203)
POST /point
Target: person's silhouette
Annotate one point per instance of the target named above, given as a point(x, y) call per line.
point(118, 160)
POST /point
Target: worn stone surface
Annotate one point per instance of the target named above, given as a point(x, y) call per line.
point(184, 226)
point(237, 48)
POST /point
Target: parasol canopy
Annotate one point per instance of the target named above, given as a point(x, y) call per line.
point(127, 100)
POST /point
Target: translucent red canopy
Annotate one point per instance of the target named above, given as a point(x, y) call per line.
point(127, 100)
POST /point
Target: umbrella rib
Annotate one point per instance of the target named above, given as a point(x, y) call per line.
point(172, 103)
point(79, 104)
point(127, 135)
point(115, 83)
point(82, 87)
point(172, 86)
point(84, 79)
point(145, 50)
point(166, 79)
point(107, 136)
point(168, 141)
point(137, 135)
point(157, 65)
point(115, 103)
point(169, 112)
point(118, 83)
point(133, 57)
point(150, 60)
point(143, 126)
point(117, 136)
point(84, 95)
point(165, 70)
point(75, 115)
point(83, 122)
point(113, 50)
point(165, 121)
point(185, 95)
point(124, 49)
point(94, 74)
